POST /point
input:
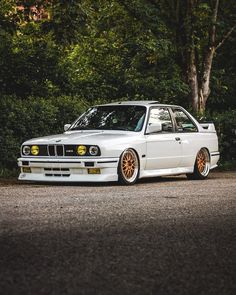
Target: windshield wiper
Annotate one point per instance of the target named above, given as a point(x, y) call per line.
point(122, 128)
point(82, 128)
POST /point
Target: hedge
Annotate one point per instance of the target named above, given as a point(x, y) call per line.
point(226, 129)
point(21, 120)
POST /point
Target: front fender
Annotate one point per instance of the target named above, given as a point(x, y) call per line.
point(116, 150)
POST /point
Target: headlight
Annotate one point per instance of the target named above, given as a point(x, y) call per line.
point(81, 150)
point(26, 150)
point(93, 150)
point(34, 150)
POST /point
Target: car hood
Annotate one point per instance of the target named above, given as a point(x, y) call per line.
point(83, 137)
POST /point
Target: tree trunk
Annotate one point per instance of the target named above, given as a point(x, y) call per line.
point(192, 70)
point(204, 89)
point(193, 80)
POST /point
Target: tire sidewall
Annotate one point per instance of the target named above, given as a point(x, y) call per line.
point(197, 174)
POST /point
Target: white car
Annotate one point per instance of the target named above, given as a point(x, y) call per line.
point(123, 141)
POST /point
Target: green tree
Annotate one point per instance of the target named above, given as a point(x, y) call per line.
point(197, 29)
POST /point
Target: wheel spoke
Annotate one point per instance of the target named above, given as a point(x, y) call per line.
point(202, 162)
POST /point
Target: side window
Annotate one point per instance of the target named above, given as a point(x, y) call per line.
point(184, 123)
point(161, 115)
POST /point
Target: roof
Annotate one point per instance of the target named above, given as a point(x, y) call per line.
point(138, 102)
point(134, 102)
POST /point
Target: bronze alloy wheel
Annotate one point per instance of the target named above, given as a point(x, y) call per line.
point(202, 162)
point(129, 167)
point(202, 165)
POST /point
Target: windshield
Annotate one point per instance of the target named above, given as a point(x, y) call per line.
point(120, 117)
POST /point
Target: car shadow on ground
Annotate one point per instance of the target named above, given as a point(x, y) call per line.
point(161, 179)
point(105, 184)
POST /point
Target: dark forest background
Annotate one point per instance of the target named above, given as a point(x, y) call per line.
point(59, 57)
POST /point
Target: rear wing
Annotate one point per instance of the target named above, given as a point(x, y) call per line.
point(208, 127)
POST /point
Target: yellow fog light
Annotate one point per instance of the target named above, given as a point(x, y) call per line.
point(81, 150)
point(94, 171)
point(34, 150)
point(26, 169)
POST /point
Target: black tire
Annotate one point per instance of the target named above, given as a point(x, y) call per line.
point(201, 166)
point(128, 168)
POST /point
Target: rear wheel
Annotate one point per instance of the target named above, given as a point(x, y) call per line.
point(128, 170)
point(201, 166)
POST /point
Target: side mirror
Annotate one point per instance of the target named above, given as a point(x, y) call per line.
point(155, 127)
point(66, 127)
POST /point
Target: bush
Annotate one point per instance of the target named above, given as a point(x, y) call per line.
point(225, 124)
point(21, 120)
point(226, 130)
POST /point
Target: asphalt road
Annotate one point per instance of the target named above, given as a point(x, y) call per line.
point(161, 236)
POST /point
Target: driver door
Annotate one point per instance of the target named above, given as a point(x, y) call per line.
point(164, 149)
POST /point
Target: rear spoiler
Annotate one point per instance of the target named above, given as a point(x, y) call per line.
point(208, 126)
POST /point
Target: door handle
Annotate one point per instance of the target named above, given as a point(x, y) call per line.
point(177, 139)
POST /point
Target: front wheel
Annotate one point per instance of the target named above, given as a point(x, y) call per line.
point(128, 170)
point(201, 166)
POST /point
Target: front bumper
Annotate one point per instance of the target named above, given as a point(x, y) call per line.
point(68, 170)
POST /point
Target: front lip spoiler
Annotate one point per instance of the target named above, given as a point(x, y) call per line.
point(71, 162)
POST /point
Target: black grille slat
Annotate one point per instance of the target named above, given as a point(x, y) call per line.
point(51, 150)
point(57, 175)
point(60, 150)
point(89, 164)
point(57, 169)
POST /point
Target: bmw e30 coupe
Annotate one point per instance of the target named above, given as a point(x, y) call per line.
point(123, 141)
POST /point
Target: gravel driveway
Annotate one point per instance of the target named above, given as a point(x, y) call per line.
point(161, 236)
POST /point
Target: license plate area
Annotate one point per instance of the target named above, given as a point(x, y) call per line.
point(94, 171)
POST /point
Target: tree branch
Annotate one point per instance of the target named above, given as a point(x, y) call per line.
point(215, 11)
point(226, 36)
point(212, 33)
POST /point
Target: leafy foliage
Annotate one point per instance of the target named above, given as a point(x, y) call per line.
point(226, 129)
point(21, 121)
point(58, 56)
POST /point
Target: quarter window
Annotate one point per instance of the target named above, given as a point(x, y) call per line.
point(183, 122)
point(161, 115)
